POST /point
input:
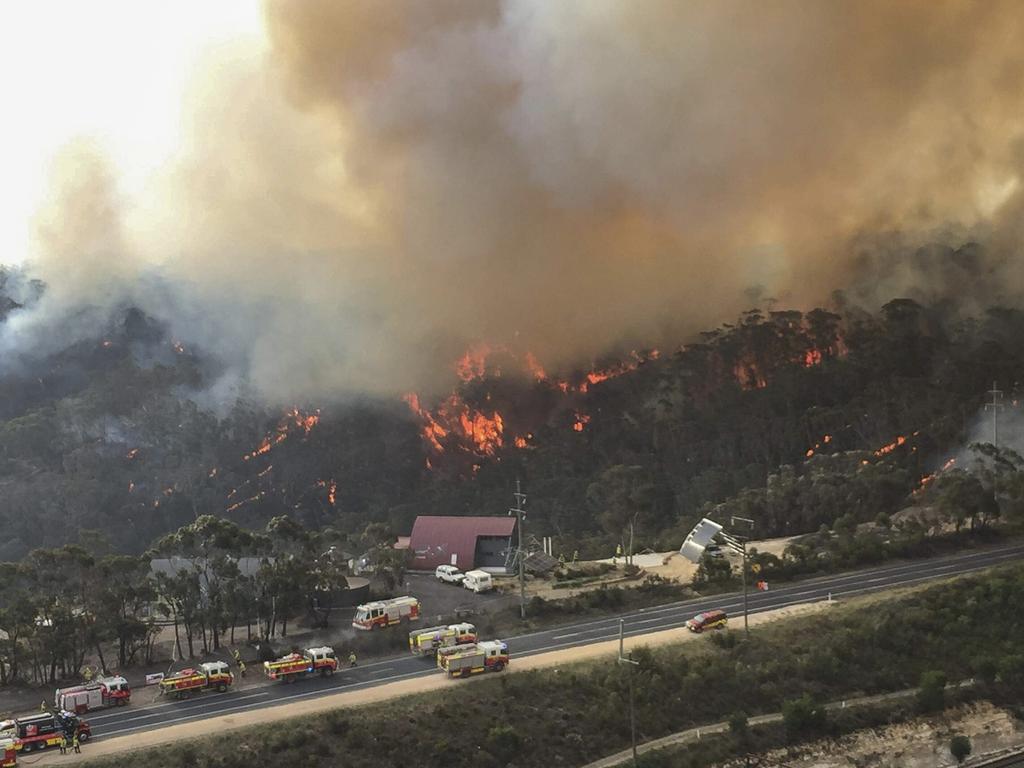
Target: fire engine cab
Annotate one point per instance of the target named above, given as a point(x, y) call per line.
point(8, 753)
point(296, 665)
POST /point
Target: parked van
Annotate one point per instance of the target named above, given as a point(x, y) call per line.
point(478, 581)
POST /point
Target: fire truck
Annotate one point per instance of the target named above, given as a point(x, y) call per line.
point(466, 660)
point(386, 613)
point(8, 753)
point(210, 675)
point(105, 692)
point(43, 730)
point(296, 665)
point(427, 641)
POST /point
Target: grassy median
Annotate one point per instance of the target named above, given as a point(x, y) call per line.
point(573, 714)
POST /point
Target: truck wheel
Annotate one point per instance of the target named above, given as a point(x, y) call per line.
point(221, 688)
point(499, 666)
point(83, 737)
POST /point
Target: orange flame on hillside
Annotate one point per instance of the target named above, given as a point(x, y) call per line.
point(535, 367)
point(817, 446)
point(294, 417)
point(890, 447)
point(473, 364)
point(812, 358)
point(237, 504)
point(581, 422)
point(453, 416)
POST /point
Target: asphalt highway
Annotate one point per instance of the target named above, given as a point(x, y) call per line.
point(133, 719)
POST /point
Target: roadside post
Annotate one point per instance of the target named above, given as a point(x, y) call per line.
point(632, 705)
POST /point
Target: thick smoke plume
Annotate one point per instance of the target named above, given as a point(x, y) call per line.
point(389, 180)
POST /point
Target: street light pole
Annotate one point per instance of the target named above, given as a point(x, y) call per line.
point(632, 703)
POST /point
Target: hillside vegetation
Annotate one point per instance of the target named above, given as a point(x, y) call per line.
point(793, 419)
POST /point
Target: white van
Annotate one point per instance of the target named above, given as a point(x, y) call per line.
point(478, 581)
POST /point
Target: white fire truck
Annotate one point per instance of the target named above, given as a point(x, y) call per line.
point(386, 613)
point(104, 692)
point(466, 660)
point(296, 665)
point(427, 641)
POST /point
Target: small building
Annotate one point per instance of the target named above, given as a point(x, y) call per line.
point(484, 543)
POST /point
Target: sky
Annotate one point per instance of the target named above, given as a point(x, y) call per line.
point(111, 71)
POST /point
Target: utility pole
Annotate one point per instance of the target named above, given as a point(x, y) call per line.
point(995, 405)
point(632, 700)
point(520, 514)
point(739, 545)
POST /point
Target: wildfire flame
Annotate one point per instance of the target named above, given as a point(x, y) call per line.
point(132, 454)
point(178, 347)
point(581, 422)
point(890, 447)
point(929, 478)
point(473, 364)
point(237, 504)
point(295, 418)
point(535, 367)
point(812, 358)
point(817, 446)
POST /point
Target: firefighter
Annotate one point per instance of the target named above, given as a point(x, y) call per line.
point(237, 655)
point(75, 743)
point(618, 554)
point(42, 707)
point(351, 659)
point(241, 668)
point(63, 743)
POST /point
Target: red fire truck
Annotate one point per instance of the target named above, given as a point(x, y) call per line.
point(296, 665)
point(386, 613)
point(215, 675)
point(8, 753)
point(466, 660)
point(44, 730)
point(427, 641)
point(105, 692)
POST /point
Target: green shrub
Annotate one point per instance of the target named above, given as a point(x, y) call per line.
point(960, 748)
point(503, 742)
point(803, 717)
point(931, 693)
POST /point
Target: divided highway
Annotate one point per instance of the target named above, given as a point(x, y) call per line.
point(133, 719)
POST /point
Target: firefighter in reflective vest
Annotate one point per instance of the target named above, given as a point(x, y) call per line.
point(75, 744)
point(352, 658)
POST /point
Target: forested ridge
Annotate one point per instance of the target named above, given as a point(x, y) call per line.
point(798, 418)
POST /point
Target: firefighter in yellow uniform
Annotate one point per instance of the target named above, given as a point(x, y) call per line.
point(241, 668)
point(42, 707)
point(352, 659)
point(75, 744)
point(63, 744)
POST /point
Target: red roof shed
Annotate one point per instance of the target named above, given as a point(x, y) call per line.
point(466, 542)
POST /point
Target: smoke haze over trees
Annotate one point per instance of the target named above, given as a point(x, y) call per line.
point(366, 190)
